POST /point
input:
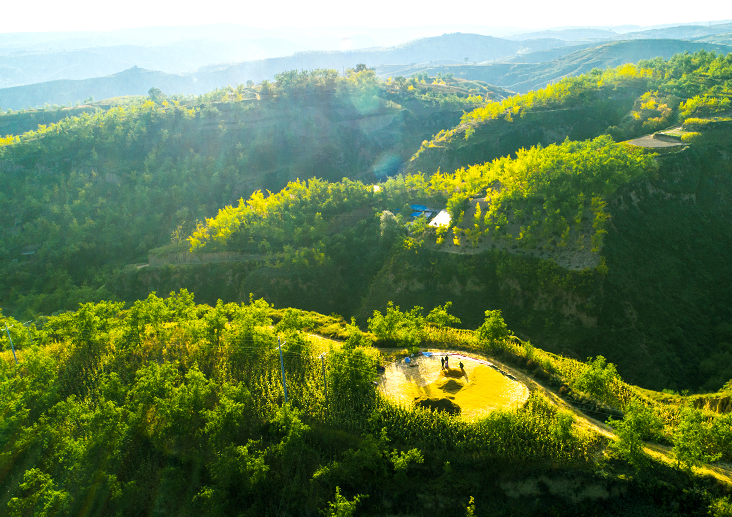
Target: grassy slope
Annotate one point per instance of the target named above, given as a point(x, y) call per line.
point(19, 123)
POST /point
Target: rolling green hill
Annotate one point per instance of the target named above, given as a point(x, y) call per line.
point(108, 187)
point(568, 238)
point(542, 56)
point(720, 39)
point(177, 404)
point(133, 81)
point(586, 264)
point(19, 123)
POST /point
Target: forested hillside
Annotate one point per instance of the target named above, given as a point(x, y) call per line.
point(584, 256)
point(90, 194)
point(651, 229)
point(173, 407)
point(588, 246)
point(625, 102)
point(662, 303)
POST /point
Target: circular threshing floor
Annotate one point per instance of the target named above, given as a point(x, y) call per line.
point(478, 388)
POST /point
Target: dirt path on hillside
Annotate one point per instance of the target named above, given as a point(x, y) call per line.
point(531, 384)
point(649, 141)
point(663, 453)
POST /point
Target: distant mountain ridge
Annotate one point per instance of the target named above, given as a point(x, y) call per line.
point(136, 81)
point(29, 67)
point(690, 31)
point(513, 64)
point(521, 75)
point(29, 58)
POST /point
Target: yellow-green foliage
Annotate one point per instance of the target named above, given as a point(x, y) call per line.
point(690, 137)
point(684, 76)
point(8, 139)
point(693, 123)
point(654, 110)
point(703, 106)
point(567, 90)
point(300, 215)
point(713, 130)
point(313, 80)
point(550, 189)
point(564, 93)
point(294, 215)
point(109, 125)
point(105, 389)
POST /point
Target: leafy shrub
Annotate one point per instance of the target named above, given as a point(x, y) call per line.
point(693, 441)
point(639, 423)
point(342, 507)
point(355, 338)
point(397, 328)
point(351, 374)
point(597, 379)
point(440, 317)
point(493, 332)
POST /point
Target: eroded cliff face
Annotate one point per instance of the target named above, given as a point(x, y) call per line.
point(315, 288)
point(539, 298)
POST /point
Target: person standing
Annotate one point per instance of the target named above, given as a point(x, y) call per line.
point(447, 363)
point(442, 362)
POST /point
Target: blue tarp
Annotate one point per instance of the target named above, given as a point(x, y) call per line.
point(427, 354)
point(407, 360)
point(416, 214)
point(418, 207)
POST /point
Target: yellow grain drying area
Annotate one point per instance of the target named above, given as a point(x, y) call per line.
point(477, 388)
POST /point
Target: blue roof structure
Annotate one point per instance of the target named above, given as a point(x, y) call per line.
point(421, 208)
point(416, 214)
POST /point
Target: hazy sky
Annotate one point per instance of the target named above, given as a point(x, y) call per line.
point(75, 15)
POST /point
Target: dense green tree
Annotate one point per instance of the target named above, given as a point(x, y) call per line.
point(493, 331)
point(596, 379)
point(639, 423)
point(692, 440)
